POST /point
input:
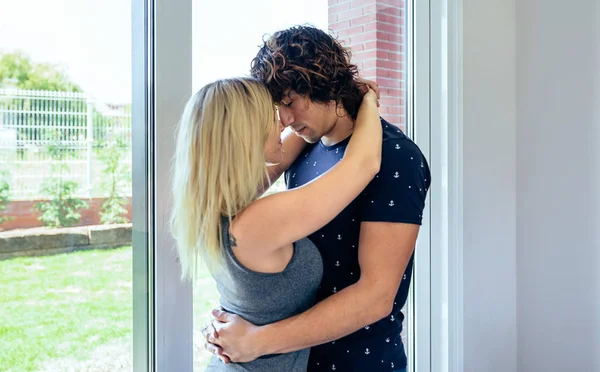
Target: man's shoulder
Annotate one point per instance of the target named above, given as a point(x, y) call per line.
point(397, 147)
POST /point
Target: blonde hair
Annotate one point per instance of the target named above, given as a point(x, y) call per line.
point(219, 165)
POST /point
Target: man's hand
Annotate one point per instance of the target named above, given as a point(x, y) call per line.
point(234, 339)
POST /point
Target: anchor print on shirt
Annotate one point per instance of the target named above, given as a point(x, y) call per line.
point(367, 351)
point(337, 263)
point(398, 147)
point(339, 237)
point(396, 175)
point(391, 203)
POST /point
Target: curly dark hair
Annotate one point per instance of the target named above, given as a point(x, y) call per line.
point(310, 62)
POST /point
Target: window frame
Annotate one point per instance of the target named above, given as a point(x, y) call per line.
point(162, 78)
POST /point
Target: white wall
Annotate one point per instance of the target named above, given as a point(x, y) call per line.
point(490, 310)
point(558, 185)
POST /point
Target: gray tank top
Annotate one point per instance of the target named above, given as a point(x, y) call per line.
point(264, 298)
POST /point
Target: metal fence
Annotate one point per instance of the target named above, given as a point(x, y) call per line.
point(32, 123)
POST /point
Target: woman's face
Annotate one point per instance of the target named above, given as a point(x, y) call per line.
point(273, 152)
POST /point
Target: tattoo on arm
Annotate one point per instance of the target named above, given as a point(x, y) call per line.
point(232, 240)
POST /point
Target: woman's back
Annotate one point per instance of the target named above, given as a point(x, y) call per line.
point(263, 298)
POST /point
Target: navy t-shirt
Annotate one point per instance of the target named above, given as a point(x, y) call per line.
point(396, 194)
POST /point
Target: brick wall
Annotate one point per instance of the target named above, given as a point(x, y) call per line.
point(25, 216)
point(375, 32)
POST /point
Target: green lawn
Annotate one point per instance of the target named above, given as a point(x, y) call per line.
point(69, 306)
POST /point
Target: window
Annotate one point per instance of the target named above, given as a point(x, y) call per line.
point(380, 38)
point(101, 100)
point(66, 282)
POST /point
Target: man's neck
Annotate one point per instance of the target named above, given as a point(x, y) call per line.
point(341, 130)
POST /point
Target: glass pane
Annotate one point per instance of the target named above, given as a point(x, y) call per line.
point(377, 37)
point(65, 186)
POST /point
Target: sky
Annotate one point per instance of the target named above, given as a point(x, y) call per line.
point(91, 39)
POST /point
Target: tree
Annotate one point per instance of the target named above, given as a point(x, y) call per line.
point(18, 69)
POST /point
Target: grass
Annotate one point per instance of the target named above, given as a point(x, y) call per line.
point(66, 307)
point(63, 306)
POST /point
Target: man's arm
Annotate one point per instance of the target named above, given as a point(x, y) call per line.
point(385, 249)
point(387, 240)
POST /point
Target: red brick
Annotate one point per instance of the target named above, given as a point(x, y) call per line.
point(396, 38)
point(382, 54)
point(390, 19)
point(390, 101)
point(392, 47)
point(395, 56)
point(356, 49)
point(360, 3)
point(365, 56)
point(392, 3)
point(368, 74)
point(382, 73)
point(367, 36)
point(370, 45)
point(391, 92)
point(369, 71)
point(387, 27)
point(390, 64)
point(396, 120)
point(386, 9)
point(351, 31)
point(350, 14)
point(389, 83)
point(371, 64)
point(363, 20)
point(338, 26)
point(395, 74)
point(369, 9)
point(396, 110)
point(338, 8)
point(371, 26)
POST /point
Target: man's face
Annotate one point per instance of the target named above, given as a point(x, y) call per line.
point(309, 120)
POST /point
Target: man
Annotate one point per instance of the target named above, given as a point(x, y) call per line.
point(367, 249)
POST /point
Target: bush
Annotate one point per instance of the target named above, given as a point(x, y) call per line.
point(61, 209)
point(4, 198)
point(117, 176)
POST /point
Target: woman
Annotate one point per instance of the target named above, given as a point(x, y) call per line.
point(229, 149)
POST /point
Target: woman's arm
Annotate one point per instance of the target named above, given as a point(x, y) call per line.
point(276, 220)
point(292, 147)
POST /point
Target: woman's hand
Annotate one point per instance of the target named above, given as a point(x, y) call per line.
point(366, 85)
point(372, 97)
